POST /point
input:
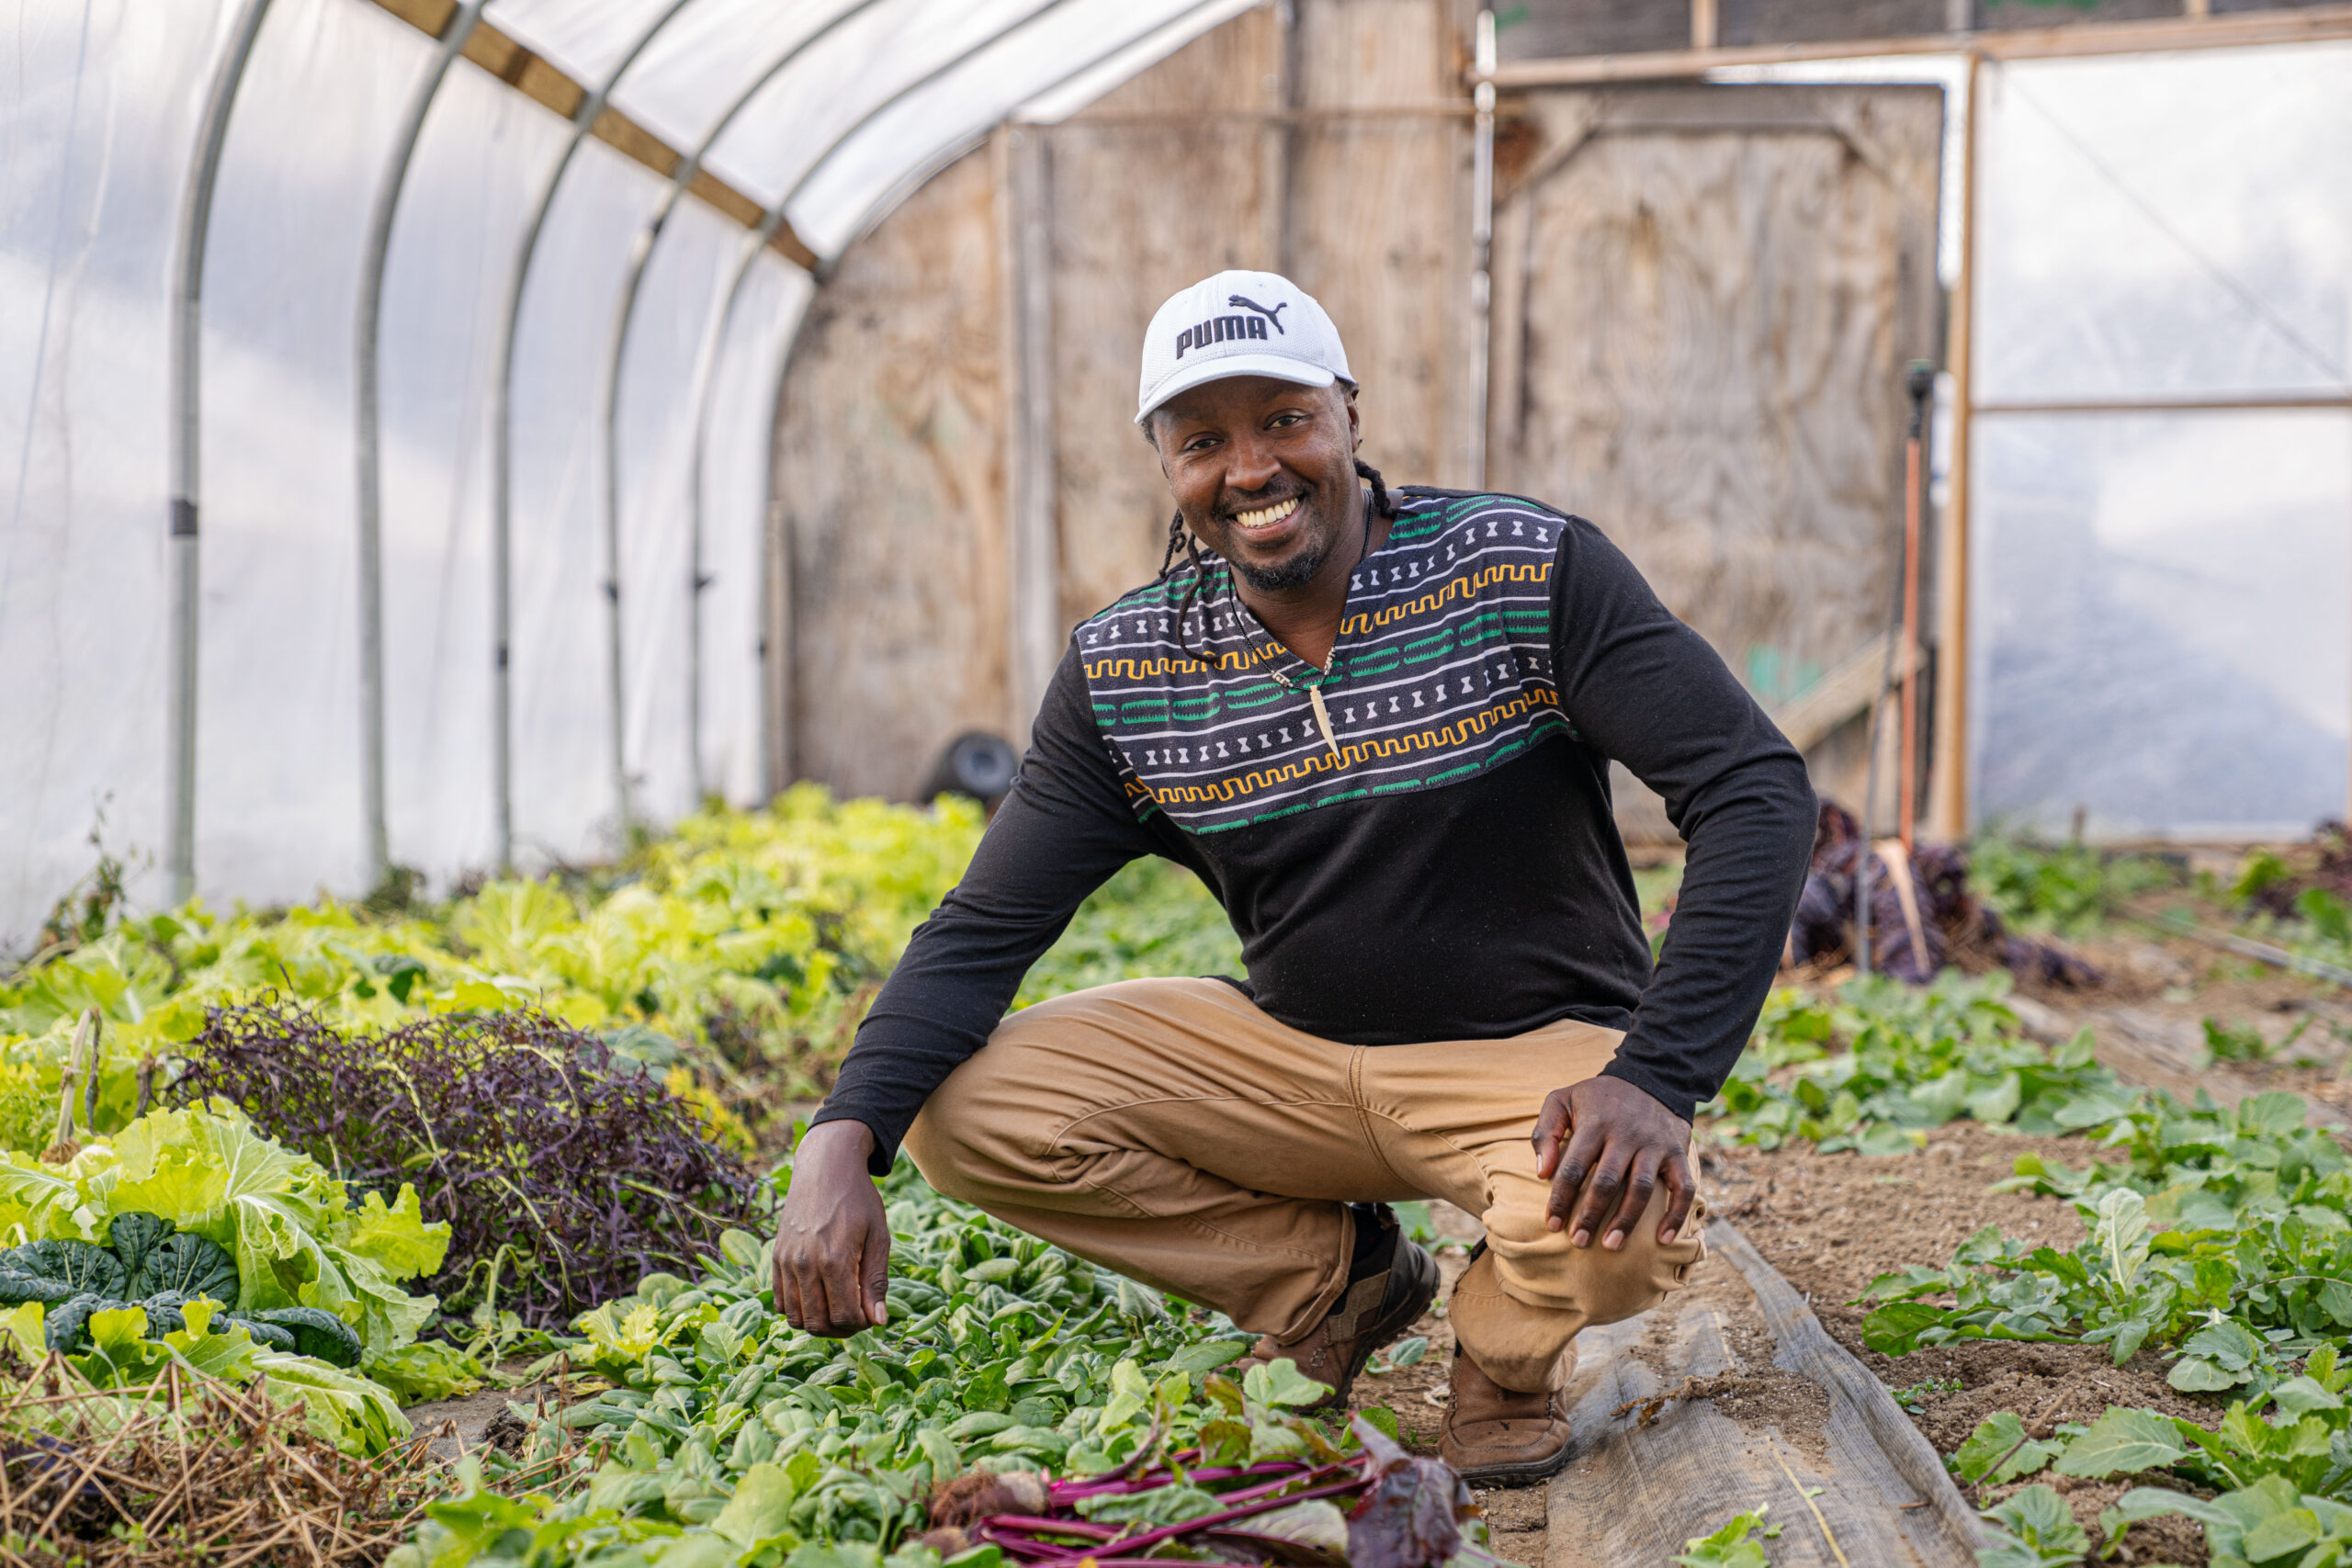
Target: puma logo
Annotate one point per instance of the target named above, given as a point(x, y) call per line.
point(1229, 329)
point(1274, 315)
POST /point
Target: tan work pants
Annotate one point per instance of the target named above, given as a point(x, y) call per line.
point(1172, 1131)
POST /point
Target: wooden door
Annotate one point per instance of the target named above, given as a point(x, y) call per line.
point(1705, 301)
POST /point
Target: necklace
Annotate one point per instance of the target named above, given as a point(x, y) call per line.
point(1314, 688)
point(1314, 691)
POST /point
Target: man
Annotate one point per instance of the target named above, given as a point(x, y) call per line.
point(1378, 728)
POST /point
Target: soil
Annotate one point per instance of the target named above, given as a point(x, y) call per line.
point(482, 1418)
point(1754, 1392)
point(1831, 1224)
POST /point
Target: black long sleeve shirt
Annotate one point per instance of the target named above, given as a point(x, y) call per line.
point(1444, 865)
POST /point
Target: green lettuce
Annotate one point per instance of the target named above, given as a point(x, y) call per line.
point(297, 1237)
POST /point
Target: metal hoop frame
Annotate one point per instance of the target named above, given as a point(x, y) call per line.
point(187, 407)
point(367, 371)
point(186, 428)
point(501, 517)
point(640, 256)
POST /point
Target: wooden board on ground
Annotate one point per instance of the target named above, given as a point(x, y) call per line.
point(1718, 1403)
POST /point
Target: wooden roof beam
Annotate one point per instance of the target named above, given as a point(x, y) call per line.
point(2238, 29)
point(545, 85)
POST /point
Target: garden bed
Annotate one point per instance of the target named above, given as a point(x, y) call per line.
point(721, 973)
point(1831, 1224)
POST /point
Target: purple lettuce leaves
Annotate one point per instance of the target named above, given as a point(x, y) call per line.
point(564, 1181)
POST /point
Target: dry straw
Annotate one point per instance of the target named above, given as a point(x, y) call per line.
point(188, 1472)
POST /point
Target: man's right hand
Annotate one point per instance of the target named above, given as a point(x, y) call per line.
point(833, 1247)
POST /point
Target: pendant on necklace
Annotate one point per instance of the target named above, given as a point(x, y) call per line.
point(1323, 723)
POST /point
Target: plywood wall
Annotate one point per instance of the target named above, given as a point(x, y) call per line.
point(1175, 175)
point(1706, 301)
point(1703, 301)
point(1334, 149)
point(1380, 220)
point(1314, 153)
point(890, 496)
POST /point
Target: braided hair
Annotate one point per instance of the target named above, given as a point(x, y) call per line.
point(1180, 538)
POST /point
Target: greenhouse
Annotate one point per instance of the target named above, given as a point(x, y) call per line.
point(555, 544)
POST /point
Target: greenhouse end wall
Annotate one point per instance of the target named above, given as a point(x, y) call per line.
point(2162, 640)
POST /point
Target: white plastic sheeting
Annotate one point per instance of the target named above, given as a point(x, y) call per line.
point(103, 114)
point(2162, 604)
point(97, 131)
point(2164, 609)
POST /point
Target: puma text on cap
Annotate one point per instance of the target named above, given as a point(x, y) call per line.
point(1238, 323)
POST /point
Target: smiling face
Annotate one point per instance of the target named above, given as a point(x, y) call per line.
point(1264, 474)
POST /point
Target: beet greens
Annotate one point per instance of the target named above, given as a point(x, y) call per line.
point(565, 1175)
point(1376, 1507)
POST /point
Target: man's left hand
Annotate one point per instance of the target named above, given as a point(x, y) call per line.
point(1607, 1146)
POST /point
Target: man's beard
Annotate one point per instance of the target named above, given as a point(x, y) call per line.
point(1295, 572)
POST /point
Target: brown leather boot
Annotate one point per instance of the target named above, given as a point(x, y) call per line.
point(1374, 1311)
point(1497, 1436)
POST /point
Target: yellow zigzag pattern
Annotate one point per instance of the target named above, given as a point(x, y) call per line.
point(1138, 669)
point(1320, 761)
point(1455, 588)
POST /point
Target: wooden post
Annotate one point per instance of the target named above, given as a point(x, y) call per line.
point(1482, 246)
point(1922, 388)
point(1703, 31)
point(1284, 95)
point(1032, 488)
point(1948, 798)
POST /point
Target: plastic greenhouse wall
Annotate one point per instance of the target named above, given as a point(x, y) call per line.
point(2162, 603)
point(92, 183)
point(107, 98)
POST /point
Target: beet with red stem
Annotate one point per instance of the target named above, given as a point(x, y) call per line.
point(1052, 1526)
point(1070, 1491)
point(1212, 1521)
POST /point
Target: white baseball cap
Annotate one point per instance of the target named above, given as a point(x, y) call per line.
point(1238, 323)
